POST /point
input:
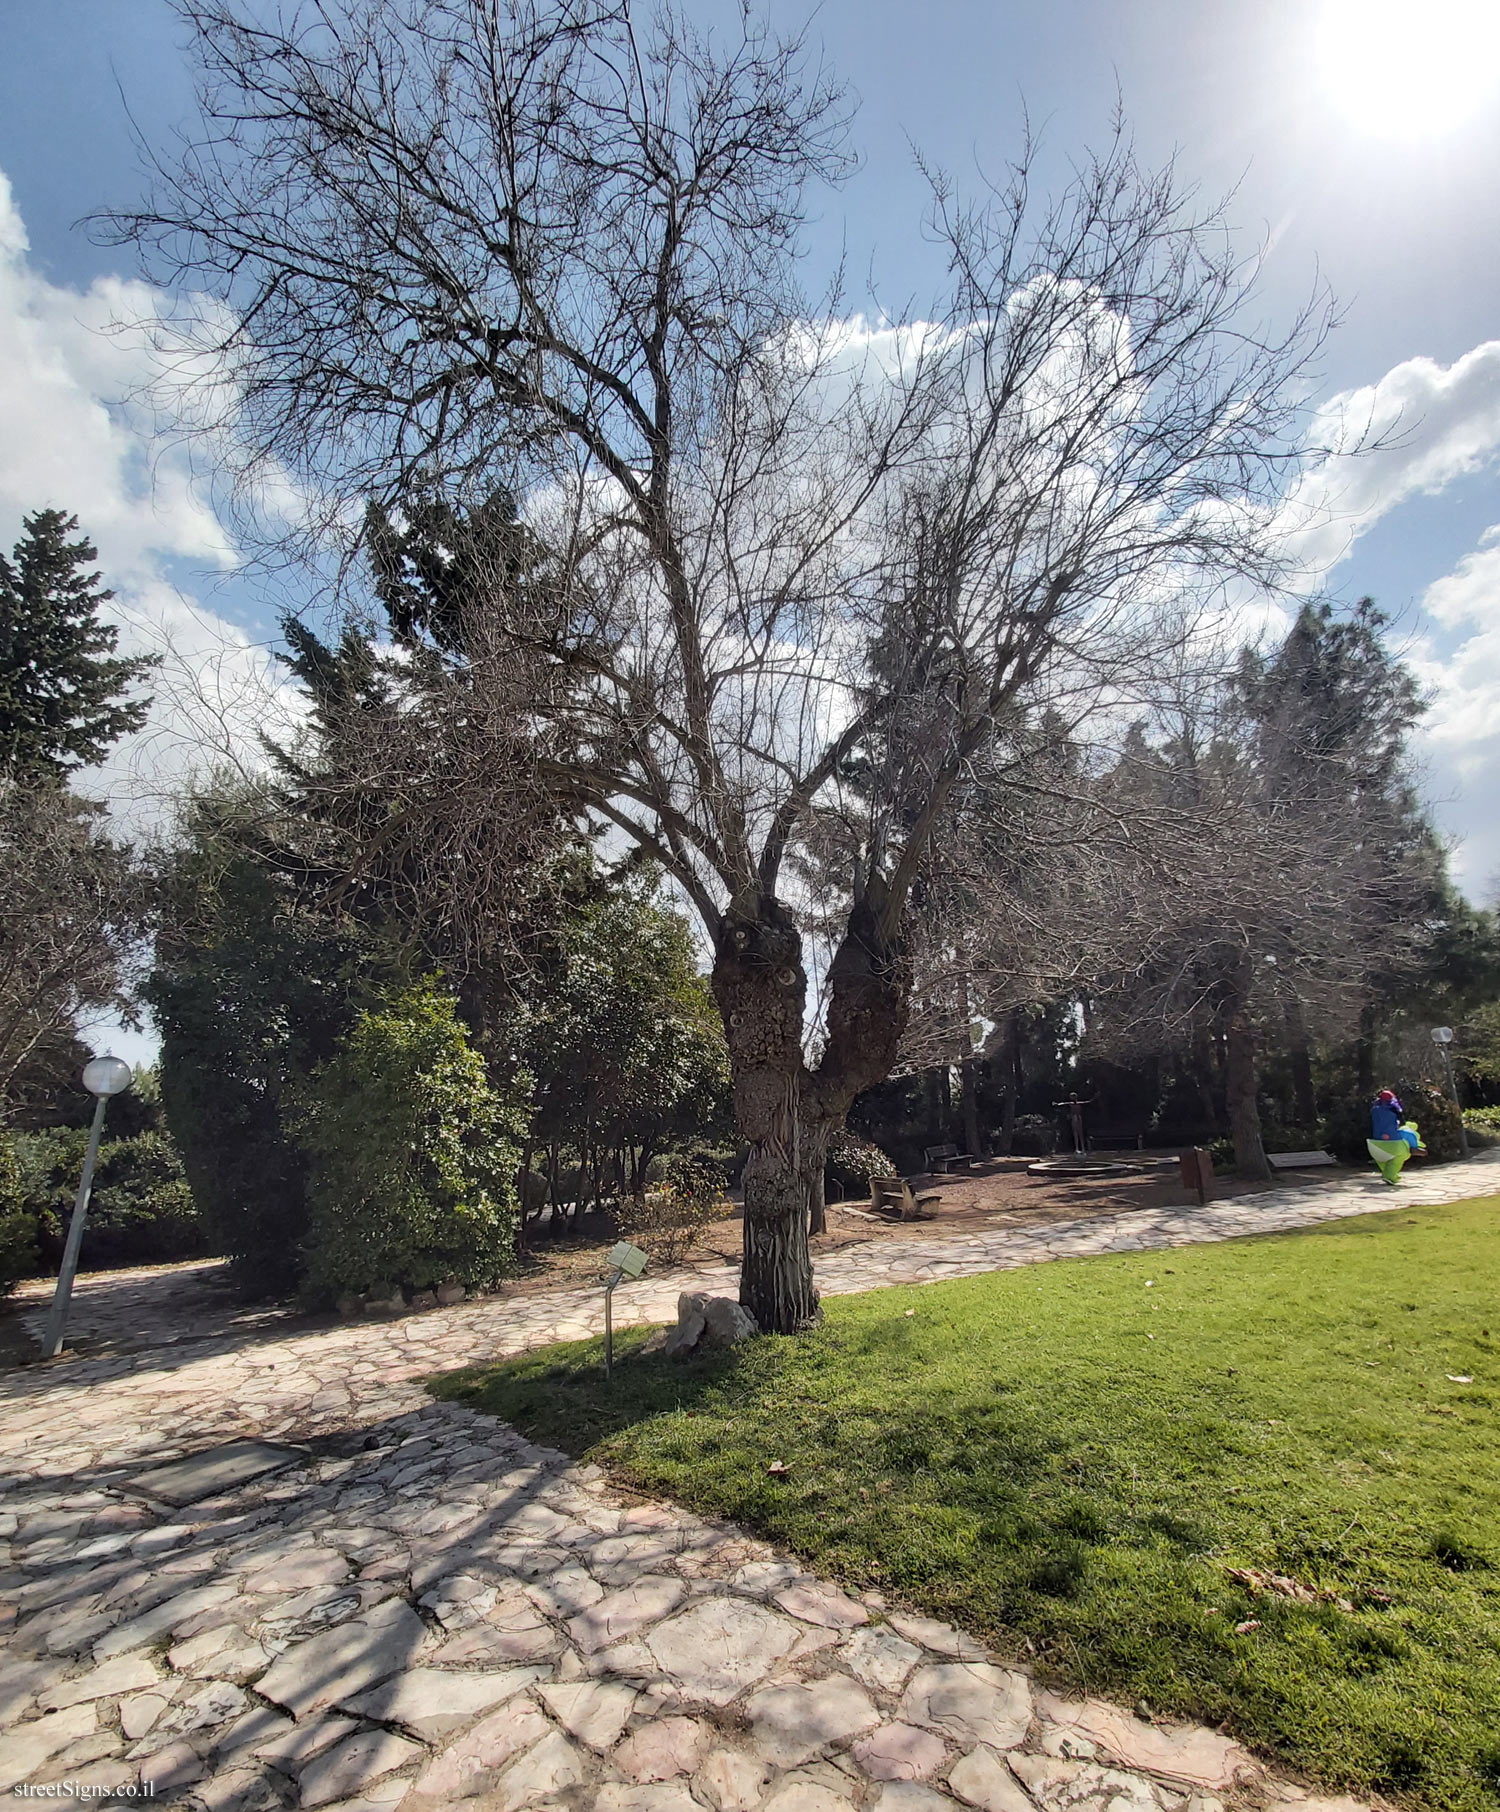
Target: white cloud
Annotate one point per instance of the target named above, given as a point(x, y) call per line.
point(1423, 425)
point(76, 440)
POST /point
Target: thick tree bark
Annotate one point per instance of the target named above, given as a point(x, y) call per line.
point(970, 1072)
point(760, 985)
point(812, 1151)
point(1242, 1088)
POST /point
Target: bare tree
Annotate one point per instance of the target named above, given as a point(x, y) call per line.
point(811, 566)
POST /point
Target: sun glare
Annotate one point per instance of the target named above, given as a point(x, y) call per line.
point(1410, 68)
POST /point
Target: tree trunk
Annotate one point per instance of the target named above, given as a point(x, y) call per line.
point(969, 1071)
point(812, 1152)
point(1364, 1053)
point(1243, 1092)
point(760, 986)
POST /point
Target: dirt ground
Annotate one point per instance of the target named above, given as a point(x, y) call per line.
point(999, 1193)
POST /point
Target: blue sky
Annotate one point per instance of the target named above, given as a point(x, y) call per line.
point(1362, 139)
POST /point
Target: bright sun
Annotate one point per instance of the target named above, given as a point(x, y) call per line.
point(1410, 68)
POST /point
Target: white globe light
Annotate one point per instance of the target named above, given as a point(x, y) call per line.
point(106, 1076)
point(1442, 1034)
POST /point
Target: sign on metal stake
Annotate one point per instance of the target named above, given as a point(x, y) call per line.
point(627, 1261)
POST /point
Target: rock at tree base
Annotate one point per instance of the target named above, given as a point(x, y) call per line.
point(704, 1321)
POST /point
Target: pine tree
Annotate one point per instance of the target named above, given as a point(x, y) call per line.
point(60, 680)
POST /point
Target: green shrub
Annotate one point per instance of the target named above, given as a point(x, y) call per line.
point(1348, 1124)
point(851, 1163)
point(1485, 1121)
point(18, 1254)
point(1034, 1136)
point(141, 1211)
point(1438, 1117)
point(411, 1155)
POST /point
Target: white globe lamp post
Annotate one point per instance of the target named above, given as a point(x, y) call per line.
point(103, 1077)
point(1442, 1037)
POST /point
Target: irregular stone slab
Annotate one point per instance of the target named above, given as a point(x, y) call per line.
point(139, 1712)
point(343, 1661)
point(662, 1750)
point(941, 1638)
point(299, 1572)
point(237, 1790)
point(20, 1682)
point(712, 1652)
point(566, 1593)
point(1185, 1752)
point(259, 1725)
point(551, 1767)
point(822, 1605)
point(795, 1795)
point(793, 1723)
point(622, 1614)
point(30, 1746)
point(880, 1658)
point(467, 1767)
point(617, 1798)
point(594, 1711)
point(982, 1779)
point(900, 1752)
point(733, 1782)
point(176, 1766)
point(352, 1766)
point(215, 1470)
point(163, 1619)
point(1058, 1785)
point(909, 1796)
point(213, 1704)
point(128, 1673)
point(435, 1704)
point(970, 1701)
point(484, 1647)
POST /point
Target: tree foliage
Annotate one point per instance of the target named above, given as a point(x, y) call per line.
point(411, 1156)
point(61, 683)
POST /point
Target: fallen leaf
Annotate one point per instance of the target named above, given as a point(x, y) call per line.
point(911, 1311)
point(1458, 1377)
point(1244, 1629)
point(778, 1467)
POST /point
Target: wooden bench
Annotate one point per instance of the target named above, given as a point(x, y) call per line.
point(1299, 1160)
point(941, 1158)
point(895, 1198)
point(1116, 1138)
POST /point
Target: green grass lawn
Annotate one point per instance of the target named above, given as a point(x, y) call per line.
point(1068, 1459)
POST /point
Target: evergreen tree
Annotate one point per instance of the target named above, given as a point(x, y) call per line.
point(61, 683)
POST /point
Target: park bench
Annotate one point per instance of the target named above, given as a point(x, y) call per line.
point(895, 1198)
point(1299, 1160)
point(941, 1158)
point(1117, 1138)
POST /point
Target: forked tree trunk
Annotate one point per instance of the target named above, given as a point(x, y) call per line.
point(812, 1152)
point(1242, 1090)
point(969, 1071)
point(760, 986)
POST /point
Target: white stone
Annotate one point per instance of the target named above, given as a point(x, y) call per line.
point(880, 1658)
point(434, 1704)
point(353, 1765)
point(794, 1795)
point(622, 1614)
point(615, 1797)
point(982, 1779)
point(594, 1711)
point(910, 1796)
point(343, 1661)
point(551, 1767)
point(127, 1673)
point(733, 1782)
point(793, 1723)
point(27, 1747)
point(971, 1701)
point(466, 1767)
point(719, 1647)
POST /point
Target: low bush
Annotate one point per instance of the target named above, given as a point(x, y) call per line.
point(1035, 1136)
point(412, 1156)
point(850, 1165)
point(1348, 1125)
point(141, 1211)
point(18, 1253)
point(669, 1221)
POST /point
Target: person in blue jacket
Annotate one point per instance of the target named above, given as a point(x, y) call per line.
point(1392, 1139)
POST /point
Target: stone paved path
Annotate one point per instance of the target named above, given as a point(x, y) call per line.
point(423, 1610)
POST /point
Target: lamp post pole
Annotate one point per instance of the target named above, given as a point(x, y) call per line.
point(104, 1077)
point(1442, 1037)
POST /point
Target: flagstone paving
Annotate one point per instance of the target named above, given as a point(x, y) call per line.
point(425, 1610)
